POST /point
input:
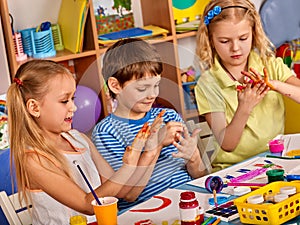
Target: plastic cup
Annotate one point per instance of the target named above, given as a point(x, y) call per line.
point(107, 212)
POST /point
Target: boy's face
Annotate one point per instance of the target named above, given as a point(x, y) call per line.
point(138, 96)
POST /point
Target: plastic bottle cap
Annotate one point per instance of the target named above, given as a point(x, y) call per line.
point(280, 197)
point(241, 190)
point(255, 199)
point(288, 190)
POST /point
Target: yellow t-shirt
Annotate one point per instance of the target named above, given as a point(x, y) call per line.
point(216, 92)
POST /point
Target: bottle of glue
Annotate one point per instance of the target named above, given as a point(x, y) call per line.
point(190, 212)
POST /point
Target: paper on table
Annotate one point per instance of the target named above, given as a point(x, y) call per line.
point(291, 142)
point(169, 213)
point(233, 171)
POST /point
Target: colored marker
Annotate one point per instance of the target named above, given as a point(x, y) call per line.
point(236, 184)
point(283, 157)
point(217, 221)
point(212, 220)
point(207, 220)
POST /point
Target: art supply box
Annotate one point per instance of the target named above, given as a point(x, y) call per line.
point(276, 213)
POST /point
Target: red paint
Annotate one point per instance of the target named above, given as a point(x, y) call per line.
point(166, 203)
point(189, 209)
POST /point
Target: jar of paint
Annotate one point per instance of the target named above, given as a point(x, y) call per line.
point(280, 197)
point(214, 183)
point(78, 220)
point(275, 175)
point(288, 190)
point(276, 146)
point(255, 199)
point(190, 214)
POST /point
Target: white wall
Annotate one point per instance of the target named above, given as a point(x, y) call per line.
point(32, 13)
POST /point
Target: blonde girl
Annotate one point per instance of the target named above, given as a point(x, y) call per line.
point(244, 114)
point(44, 148)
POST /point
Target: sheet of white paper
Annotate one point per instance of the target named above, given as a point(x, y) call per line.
point(291, 142)
point(169, 213)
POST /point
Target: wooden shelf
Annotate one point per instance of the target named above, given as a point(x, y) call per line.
point(86, 63)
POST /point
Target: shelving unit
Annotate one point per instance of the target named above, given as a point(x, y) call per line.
point(171, 92)
point(88, 64)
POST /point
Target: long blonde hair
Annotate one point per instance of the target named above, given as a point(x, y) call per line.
point(31, 82)
point(246, 9)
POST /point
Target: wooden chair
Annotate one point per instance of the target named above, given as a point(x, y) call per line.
point(16, 213)
point(205, 142)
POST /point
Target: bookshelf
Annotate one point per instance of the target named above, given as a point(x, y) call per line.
point(87, 67)
point(88, 63)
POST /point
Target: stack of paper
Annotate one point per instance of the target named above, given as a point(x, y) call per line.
point(72, 17)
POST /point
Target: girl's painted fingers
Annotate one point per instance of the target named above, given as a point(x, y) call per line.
point(257, 75)
point(266, 79)
point(252, 77)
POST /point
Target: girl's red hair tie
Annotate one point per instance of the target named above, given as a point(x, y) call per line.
point(18, 81)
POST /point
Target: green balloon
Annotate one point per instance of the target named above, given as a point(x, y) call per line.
point(183, 4)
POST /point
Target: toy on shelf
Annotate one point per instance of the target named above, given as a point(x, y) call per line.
point(19, 51)
point(38, 42)
point(189, 78)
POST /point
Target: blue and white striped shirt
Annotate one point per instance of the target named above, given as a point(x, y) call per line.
point(113, 134)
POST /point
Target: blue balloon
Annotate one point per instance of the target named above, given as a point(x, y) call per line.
point(88, 109)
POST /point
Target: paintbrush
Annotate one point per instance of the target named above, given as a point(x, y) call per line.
point(87, 182)
point(215, 198)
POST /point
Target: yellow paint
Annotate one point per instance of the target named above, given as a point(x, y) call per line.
point(295, 152)
point(192, 12)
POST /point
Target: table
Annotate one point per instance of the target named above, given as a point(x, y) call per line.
point(198, 189)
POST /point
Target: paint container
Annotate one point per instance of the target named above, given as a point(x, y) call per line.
point(214, 183)
point(275, 175)
point(288, 190)
point(280, 197)
point(255, 199)
point(276, 146)
point(190, 212)
point(78, 220)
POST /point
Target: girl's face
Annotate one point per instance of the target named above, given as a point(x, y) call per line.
point(138, 96)
point(232, 41)
point(57, 107)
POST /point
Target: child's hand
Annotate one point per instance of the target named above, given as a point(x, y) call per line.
point(168, 133)
point(133, 152)
point(187, 144)
point(251, 95)
point(154, 141)
point(257, 78)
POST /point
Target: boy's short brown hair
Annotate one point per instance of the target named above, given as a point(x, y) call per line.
point(131, 58)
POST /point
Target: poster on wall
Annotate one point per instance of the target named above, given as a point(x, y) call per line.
point(113, 15)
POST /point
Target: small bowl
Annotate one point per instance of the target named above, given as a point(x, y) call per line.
point(276, 145)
